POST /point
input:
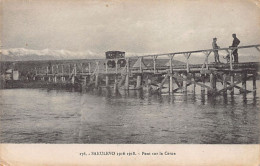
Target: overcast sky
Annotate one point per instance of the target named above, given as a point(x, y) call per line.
point(141, 27)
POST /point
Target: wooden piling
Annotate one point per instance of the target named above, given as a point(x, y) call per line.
point(127, 75)
point(224, 83)
point(194, 84)
point(184, 75)
point(127, 82)
point(96, 81)
point(203, 82)
point(73, 79)
point(62, 70)
point(138, 82)
point(55, 79)
point(244, 77)
point(89, 68)
point(254, 81)
point(107, 80)
point(115, 85)
point(171, 84)
point(232, 83)
point(211, 80)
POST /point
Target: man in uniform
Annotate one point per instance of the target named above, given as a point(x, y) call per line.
point(215, 46)
point(235, 43)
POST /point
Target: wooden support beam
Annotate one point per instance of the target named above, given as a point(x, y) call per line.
point(75, 69)
point(89, 68)
point(81, 65)
point(127, 74)
point(127, 82)
point(180, 88)
point(96, 80)
point(170, 84)
point(203, 82)
point(121, 81)
point(107, 81)
point(141, 62)
point(230, 60)
point(184, 75)
point(225, 82)
point(73, 79)
point(55, 79)
point(194, 82)
point(254, 81)
point(213, 83)
point(187, 55)
point(116, 60)
point(232, 83)
point(154, 64)
point(163, 82)
point(206, 61)
point(244, 78)
point(231, 87)
point(177, 82)
point(138, 82)
point(235, 86)
point(115, 86)
point(62, 70)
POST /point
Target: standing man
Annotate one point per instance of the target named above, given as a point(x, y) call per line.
point(215, 46)
point(235, 43)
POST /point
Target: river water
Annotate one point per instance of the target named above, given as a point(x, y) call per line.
point(60, 116)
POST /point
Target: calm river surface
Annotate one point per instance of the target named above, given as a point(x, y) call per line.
point(59, 116)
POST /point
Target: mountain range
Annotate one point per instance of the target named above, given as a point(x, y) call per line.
point(23, 54)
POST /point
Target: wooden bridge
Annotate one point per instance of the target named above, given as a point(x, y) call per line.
point(153, 73)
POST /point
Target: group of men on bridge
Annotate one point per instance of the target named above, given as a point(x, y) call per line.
point(235, 43)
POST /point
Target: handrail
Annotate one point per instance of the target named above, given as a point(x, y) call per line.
point(196, 51)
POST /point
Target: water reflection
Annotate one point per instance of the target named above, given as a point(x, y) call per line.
point(134, 116)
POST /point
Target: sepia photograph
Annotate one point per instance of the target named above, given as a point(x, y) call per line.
point(129, 73)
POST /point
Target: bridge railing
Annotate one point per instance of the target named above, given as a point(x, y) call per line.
point(187, 55)
point(93, 66)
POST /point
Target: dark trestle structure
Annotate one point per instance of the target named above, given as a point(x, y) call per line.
point(154, 74)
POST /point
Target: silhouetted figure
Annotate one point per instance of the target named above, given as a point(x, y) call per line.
point(235, 43)
point(215, 46)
